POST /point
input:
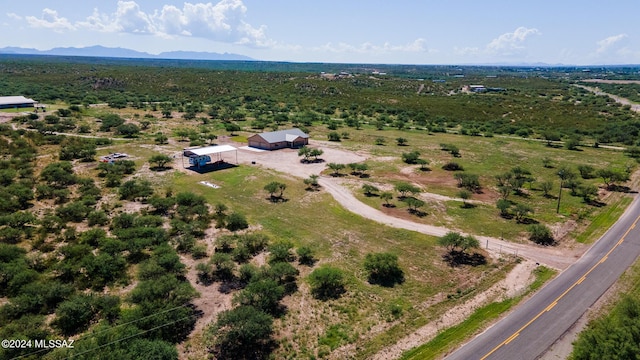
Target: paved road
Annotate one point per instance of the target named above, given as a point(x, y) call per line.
point(535, 325)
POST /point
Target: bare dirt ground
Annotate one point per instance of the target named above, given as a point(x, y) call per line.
point(287, 160)
point(211, 301)
point(6, 117)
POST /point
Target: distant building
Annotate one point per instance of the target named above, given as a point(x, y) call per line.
point(13, 102)
point(290, 138)
point(474, 88)
point(477, 88)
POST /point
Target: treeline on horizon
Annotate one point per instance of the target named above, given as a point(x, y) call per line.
point(627, 72)
point(531, 101)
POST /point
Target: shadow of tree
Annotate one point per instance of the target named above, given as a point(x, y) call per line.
point(622, 189)
point(311, 161)
point(328, 292)
point(277, 199)
point(457, 258)
point(528, 221)
point(387, 281)
point(418, 213)
point(596, 203)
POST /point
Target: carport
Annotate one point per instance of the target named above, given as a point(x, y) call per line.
point(214, 152)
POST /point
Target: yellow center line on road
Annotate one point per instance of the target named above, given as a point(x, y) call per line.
point(551, 306)
point(512, 337)
point(555, 302)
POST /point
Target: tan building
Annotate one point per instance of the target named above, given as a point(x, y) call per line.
point(290, 138)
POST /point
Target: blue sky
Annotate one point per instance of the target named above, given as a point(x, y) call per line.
point(357, 31)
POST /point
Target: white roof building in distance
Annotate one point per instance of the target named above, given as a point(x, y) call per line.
point(10, 102)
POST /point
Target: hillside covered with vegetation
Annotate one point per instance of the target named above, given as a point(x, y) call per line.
point(136, 258)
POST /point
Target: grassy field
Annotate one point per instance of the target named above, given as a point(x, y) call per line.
point(603, 221)
point(485, 157)
point(343, 239)
point(17, 110)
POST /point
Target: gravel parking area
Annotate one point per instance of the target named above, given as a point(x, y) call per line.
point(288, 161)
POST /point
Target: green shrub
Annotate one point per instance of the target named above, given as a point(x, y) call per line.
point(327, 283)
point(383, 269)
point(236, 221)
point(540, 234)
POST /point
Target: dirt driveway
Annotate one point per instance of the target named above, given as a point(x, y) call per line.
point(287, 160)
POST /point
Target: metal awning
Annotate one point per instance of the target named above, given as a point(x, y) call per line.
point(209, 150)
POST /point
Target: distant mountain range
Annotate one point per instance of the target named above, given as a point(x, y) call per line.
point(101, 51)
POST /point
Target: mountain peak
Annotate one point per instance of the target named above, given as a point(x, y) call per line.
point(118, 52)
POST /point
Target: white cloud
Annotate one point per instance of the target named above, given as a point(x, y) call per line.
point(98, 22)
point(510, 42)
point(129, 18)
point(606, 44)
point(506, 45)
point(223, 21)
point(14, 16)
point(418, 45)
point(50, 20)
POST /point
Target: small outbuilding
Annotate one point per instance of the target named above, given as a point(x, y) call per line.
point(13, 102)
point(290, 138)
point(208, 156)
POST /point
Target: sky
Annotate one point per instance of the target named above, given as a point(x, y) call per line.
point(576, 32)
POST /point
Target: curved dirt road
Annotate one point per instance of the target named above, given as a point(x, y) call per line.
point(544, 255)
point(624, 101)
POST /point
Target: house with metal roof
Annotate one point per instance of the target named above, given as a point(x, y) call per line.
point(12, 102)
point(290, 138)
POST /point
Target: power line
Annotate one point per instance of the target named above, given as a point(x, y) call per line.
point(85, 337)
point(131, 336)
